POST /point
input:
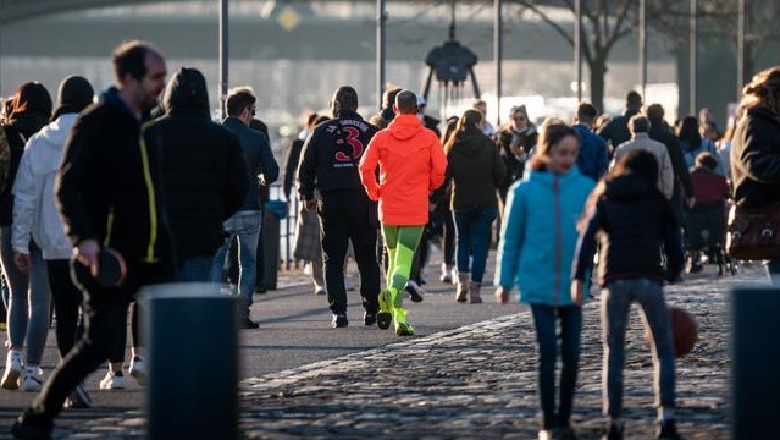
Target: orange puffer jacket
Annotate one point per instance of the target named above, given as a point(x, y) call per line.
point(411, 165)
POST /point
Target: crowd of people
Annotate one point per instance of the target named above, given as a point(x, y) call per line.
point(146, 174)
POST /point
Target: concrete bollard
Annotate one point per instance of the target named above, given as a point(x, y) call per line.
point(192, 360)
point(755, 361)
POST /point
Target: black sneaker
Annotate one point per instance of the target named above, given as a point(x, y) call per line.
point(369, 318)
point(414, 294)
point(339, 320)
point(248, 324)
point(667, 430)
point(29, 431)
point(613, 433)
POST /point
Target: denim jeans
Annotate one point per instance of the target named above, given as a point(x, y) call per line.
point(29, 305)
point(246, 226)
point(615, 306)
point(773, 271)
point(571, 327)
point(195, 269)
point(473, 226)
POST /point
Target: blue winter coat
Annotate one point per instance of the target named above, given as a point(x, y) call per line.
point(593, 159)
point(539, 235)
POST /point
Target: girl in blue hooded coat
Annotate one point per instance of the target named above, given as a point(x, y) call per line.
point(537, 245)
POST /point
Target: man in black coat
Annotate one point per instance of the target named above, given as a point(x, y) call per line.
point(616, 131)
point(204, 175)
point(107, 193)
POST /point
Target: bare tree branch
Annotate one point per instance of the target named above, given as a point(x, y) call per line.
point(617, 33)
point(546, 18)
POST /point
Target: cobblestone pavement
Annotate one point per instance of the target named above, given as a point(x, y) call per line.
point(478, 381)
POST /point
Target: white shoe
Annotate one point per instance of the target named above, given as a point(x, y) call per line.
point(138, 369)
point(545, 434)
point(320, 290)
point(447, 274)
point(32, 381)
point(307, 269)
point(113, 381)
point(13, 371)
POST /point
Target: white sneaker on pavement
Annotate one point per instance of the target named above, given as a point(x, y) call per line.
point(13, 371)
point(138, 369)
point(32, 380)
point(113, 381)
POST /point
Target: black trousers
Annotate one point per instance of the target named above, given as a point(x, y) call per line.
point(106, 323)
point(67, 299)
point(349, 215)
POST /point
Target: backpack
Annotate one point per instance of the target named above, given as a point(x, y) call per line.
point(5, 159)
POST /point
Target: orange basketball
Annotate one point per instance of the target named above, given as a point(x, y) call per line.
point(684, 331)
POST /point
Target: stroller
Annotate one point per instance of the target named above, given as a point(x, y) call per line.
point(705, 235)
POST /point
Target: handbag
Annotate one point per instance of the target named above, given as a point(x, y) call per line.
point(754, 233)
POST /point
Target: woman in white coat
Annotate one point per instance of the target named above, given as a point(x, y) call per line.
point(37, 220)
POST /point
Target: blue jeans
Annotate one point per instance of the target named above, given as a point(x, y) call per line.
point(616, 302)
point(195, 269)
point(473, 226)
point(571, 327)
point(246, 226)
point(773, 271)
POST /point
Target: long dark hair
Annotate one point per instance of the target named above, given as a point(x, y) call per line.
point(640, 163)
point(468, 123)
point(689, 132)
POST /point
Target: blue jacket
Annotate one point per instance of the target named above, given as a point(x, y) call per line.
point(593, 159)
point(258, 157)
point(539, 235)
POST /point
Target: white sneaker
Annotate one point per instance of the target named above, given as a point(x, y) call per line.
point(307, 269)
point(32, 380)
point(545, 434)
point(138, 369)
point(320, 290)
point(13, 371)
point(113, 381)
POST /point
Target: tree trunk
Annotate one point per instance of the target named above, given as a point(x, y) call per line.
point(598, 70)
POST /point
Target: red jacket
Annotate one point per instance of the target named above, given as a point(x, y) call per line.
point(708, 187)
point(412, 165)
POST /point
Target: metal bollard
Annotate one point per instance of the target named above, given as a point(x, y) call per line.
point(755, 362)
point(192, 359)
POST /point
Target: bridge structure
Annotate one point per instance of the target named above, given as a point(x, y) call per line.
point(12, 12)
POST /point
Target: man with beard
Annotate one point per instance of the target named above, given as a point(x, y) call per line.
point(107, 190)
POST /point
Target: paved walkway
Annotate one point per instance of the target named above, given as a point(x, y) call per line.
point(476, 381)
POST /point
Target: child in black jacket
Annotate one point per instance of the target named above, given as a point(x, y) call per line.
point(634, 221)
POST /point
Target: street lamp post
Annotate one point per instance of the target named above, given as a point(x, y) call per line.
point(498, 46)
point(740, 46)
point(643, 47)
point(223, 55)
point(578, 47)
point(694, 49)
point(381, 47)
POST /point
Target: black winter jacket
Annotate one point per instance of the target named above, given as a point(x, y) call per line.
point(635, 220)
point(755, 159)
point(108, 185)
point(476, 171)
point(21, 128)
point(204, 176)
point(661, 133)
point(514, 167)
point(616, 130)
point(331, 154)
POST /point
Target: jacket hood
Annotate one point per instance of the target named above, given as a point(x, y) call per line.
point(467, 143)
point(50, 142)
point(548, 177)
point(628, 186)
point(405, 127)
point(187, 91)
point(111, 97)
point(28, 123)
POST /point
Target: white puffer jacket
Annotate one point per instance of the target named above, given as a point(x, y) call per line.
point(35, 214)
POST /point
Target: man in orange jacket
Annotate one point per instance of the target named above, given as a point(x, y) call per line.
point(412, 165)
